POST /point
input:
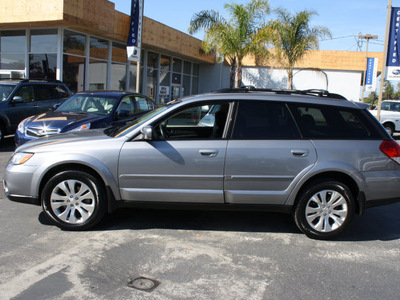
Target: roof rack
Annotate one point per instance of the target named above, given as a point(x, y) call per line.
point(250, 88)
point(40, 80)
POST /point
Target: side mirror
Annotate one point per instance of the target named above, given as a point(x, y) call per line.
point(18, 99)
point(55, 106)
point(147, 133)
point(122, 114)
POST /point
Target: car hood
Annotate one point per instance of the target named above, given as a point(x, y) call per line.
point(70, 141)
point(62, 120)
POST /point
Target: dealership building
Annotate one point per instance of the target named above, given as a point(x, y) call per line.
point(83, 43)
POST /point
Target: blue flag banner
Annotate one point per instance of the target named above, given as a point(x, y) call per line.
point(134, 41)
point(370, 77)
point(393, 54)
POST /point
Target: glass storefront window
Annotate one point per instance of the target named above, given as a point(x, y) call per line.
point(74, 43)
point(186, 85)
point(177, 65)
point(196, 69)
point(98, 48)
point(12, 61)
point(42, 66)
point(118, 77)
point(74, 72)
point(97, 74)
point(132, 77)
point(152, 60)
point(195, 85)
point(151, 83)
point(118, 52)
point(12, 41)
point(187, 68)
point(43, 40)
point(165, 63)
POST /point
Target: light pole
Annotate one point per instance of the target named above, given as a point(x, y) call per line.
point(366, 37)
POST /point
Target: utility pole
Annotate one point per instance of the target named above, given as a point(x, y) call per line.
point(366, 37)
point(383, 73)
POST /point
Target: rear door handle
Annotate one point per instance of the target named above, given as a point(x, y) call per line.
point(208, 152)
point(300, 152)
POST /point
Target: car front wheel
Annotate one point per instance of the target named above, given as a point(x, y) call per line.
point(324, 209)
point(74, 200)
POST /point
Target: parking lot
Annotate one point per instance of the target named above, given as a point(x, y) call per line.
point(195, 255)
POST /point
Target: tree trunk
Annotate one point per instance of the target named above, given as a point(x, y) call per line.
point(290, 79)
point(238, 73)
point(232, 61)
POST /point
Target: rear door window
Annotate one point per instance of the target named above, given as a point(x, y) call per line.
point(264, 120)
point(143, 104)
point(45, 92)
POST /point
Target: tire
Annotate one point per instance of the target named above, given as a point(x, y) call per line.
point(324, 209)
point(389, 128)
point(74, 200)
point(2, 133)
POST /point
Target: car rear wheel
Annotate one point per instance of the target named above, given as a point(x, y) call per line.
point(324, 209)
point(389, 128)
point(74, 200)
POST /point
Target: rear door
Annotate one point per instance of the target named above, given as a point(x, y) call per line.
point(266, 155)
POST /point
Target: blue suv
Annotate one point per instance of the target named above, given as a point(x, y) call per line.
point(23, 98)
point(83, 111)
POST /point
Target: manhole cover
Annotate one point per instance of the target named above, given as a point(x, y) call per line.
point(144, 284)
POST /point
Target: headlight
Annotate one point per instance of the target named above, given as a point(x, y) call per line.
point(21, 157)
point(82, 127)
point(21, 126)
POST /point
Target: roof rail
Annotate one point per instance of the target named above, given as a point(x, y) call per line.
point(314, 92)
point(40, 80)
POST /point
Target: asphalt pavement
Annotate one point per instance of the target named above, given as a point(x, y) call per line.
point(149, 254)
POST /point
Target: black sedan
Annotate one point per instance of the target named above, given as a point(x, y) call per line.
point(83, 111)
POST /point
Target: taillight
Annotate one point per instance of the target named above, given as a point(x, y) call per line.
point(391, 149)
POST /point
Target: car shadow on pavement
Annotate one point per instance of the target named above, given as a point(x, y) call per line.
point(379, 223)
point(7, 144)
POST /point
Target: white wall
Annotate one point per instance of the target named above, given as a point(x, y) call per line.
point(346, 83)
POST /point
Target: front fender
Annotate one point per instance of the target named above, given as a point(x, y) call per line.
point(105, 172)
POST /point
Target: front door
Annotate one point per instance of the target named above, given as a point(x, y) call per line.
point(183, 163)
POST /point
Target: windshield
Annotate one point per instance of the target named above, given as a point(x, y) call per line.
point(5, 91)
point(98, 105)
point(118, 131)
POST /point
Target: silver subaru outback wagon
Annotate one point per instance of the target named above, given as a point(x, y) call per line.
point(312, 154)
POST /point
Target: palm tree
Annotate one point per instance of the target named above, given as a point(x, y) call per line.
point(293, 37)
point(234, 38)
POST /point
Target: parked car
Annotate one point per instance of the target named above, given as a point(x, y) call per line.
point(390, 115)
point(311, 154)
point(23, 98)
point(83, 111)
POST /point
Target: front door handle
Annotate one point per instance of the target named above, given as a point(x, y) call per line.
point(300, 152)
point(208, 152)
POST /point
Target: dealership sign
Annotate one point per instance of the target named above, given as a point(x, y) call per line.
point(370, 78)
point(134, 41)
point(393, 54)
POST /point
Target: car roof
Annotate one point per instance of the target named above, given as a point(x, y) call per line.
point(273, 96)
point(108, 93)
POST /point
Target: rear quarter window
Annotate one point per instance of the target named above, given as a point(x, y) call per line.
point(329, 122)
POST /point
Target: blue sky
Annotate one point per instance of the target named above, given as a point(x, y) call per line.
point(344, 18)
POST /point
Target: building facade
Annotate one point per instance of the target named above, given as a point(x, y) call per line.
point(82, 43)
